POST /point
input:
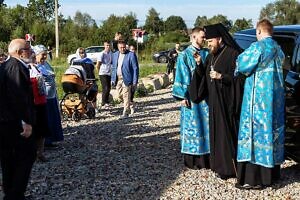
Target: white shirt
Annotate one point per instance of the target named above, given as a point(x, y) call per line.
point(120, 63)
point(105, 60)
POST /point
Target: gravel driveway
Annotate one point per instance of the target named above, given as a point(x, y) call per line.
point(137, 158)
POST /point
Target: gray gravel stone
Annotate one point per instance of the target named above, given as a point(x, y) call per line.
point(137, 158)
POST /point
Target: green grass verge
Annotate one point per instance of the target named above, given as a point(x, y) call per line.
point(146, 68)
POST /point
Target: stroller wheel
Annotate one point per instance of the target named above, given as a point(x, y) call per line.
point(91, 113)
point(64, 115)
point(76, 116)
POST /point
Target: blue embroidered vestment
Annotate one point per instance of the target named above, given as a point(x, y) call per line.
point(262, 122)
point(194, 126)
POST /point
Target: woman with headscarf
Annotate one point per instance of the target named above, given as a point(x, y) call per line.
point(40, 129)
point(54, 120)
point(89, 67)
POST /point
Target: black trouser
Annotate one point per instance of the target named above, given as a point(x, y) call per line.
point(17, 155)
point(132, 93)
point(170, 67)
point(106, 86)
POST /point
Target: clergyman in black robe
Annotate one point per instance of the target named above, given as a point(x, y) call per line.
point(214, 80)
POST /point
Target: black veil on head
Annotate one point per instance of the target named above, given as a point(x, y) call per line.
point(219, 30)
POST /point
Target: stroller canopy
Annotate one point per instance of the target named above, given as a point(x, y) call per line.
point(76, 70)
point(88, 66)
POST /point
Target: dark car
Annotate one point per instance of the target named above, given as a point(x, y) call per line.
point(288, 37)
point(162, 56)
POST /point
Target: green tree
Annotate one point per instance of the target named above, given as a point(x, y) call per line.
point(201, 21)
point(83, 20)
point(241, 24)
point(4, 26)
point(13, 22)
point(174, 23)
point(221, 19)
point(42, 9)
point(282, 12)
point(44, 33)
point(153, 23)
point(113, 24)
point(18, 32)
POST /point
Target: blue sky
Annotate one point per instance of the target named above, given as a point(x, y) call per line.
point(187, 9)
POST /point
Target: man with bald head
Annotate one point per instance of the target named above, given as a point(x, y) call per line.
point(17, 147)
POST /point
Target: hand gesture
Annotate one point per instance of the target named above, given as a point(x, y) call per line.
point(197, 57)
point(27, 130)
point(185, 103)
point(215, 75)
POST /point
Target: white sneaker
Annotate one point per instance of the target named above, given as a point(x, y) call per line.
point(124, 116)
point(132, 111)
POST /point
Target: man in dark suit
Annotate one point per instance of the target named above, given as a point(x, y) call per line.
point(17, 147)
point(125, 74)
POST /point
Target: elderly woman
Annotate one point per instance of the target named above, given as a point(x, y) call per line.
point(41, 128)
point(54, 120)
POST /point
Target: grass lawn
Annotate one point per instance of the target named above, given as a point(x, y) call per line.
point(146, 68)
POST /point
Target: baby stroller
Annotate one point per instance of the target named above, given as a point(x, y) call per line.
point(79, 94)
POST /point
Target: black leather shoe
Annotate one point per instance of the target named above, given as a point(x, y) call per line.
point(248, 187)
point(51, 146)
point(41, 158)
point(243, 187)
point(224, 177)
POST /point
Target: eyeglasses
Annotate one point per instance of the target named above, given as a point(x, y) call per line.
point(81, 52)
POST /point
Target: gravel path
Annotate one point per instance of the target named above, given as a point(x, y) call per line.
point(137, 158)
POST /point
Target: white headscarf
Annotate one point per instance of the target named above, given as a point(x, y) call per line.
point(77, 53)
point(39, 49)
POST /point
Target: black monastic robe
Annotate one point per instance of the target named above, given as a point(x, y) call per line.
point(223, 108)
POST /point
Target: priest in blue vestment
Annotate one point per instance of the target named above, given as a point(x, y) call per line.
point(194, 125)
point(262, 121)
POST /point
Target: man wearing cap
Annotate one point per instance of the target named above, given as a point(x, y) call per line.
point(262, 124)
point(214, 80)
point(17, 145)
point(194, 131)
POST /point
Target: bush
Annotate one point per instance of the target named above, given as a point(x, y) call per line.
point(141, 92)
point(149, 88)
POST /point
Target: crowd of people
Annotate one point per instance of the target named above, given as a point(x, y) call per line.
point(232, 105)
point(29, 111)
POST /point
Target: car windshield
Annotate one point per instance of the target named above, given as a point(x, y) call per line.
point(94, 49)
point(90, 50)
